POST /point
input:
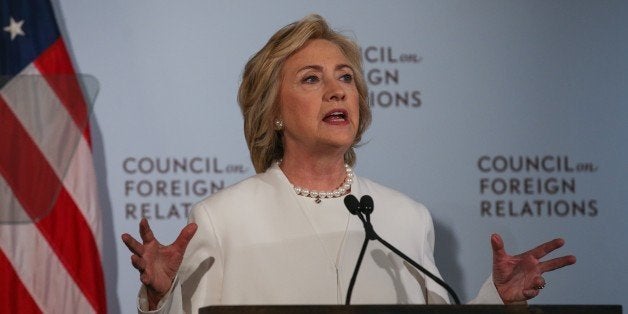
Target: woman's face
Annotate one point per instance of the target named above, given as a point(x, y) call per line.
point(318, 99)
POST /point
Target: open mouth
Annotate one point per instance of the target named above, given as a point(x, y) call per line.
point(336, 116)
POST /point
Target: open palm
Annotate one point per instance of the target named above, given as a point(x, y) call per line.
point(157, 263)
point(519, 278)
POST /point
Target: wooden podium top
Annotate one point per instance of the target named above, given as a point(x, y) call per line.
point(438, 309)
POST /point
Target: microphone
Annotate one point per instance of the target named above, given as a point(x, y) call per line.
point(366, 203)
point(352, 204)
point(364, 209)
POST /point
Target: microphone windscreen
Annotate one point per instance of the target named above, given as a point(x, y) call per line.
point(352, 203)
point(366, 204)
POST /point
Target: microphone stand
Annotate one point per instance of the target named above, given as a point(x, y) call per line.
point(372, 235)
point(355, 271)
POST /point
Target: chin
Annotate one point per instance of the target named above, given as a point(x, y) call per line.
point(337, 139)
point(344, 144)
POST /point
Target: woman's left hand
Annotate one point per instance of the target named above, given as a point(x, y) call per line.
point(519, 278)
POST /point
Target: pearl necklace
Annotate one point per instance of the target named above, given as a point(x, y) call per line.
point(344, 188)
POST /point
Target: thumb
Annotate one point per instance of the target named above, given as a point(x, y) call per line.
point(498, 245)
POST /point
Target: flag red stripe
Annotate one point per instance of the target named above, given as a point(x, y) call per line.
point(65, 228)
point(14, 298)
point(15, 166)
point(76, 248)
point(54, 64)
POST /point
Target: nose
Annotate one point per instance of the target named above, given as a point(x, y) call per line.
point(335, 91)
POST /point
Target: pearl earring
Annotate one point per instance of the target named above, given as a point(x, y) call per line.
point(278, 124)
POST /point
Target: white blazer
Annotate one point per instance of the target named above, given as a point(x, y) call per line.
point(258, 242)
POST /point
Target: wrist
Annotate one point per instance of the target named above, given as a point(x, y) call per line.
point(153, 297)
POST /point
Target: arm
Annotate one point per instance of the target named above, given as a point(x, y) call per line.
point(199, 279)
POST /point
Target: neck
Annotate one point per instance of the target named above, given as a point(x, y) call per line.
point(326, 173)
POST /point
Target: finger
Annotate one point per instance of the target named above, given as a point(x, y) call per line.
point(530, 293)
point(145, 278)
point(538, 283)
point(133, 245)
point(557, 263)
point(145, 232)
point(185, 236)
point(546, 248)
point(138, 262)
point(498, 245)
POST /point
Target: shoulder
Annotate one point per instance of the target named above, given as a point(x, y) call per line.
point(391, 200)
point(388, 194)
point(237, 193)
point(399, 218)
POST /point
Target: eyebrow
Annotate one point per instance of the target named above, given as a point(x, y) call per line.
point(320, 68)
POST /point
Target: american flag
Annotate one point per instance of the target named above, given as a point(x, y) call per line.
point(50, 223)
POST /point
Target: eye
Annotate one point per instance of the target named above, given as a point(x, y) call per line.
point(348, 78)
point(310, 79)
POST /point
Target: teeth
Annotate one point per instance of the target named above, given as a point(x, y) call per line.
point(336, 115)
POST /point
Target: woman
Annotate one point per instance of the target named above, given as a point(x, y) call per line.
point(284, 235)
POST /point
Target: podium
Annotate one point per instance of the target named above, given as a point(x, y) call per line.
point(438, 309)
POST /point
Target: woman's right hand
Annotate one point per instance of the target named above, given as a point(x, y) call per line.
point(158, 264)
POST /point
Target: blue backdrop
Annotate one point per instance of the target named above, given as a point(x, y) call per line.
point(499, 116)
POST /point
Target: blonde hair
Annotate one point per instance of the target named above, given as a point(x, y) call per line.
point(260, 85)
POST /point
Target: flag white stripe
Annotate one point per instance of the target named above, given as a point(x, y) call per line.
point(80, 171)
point(38, 267)
point(10, 209)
